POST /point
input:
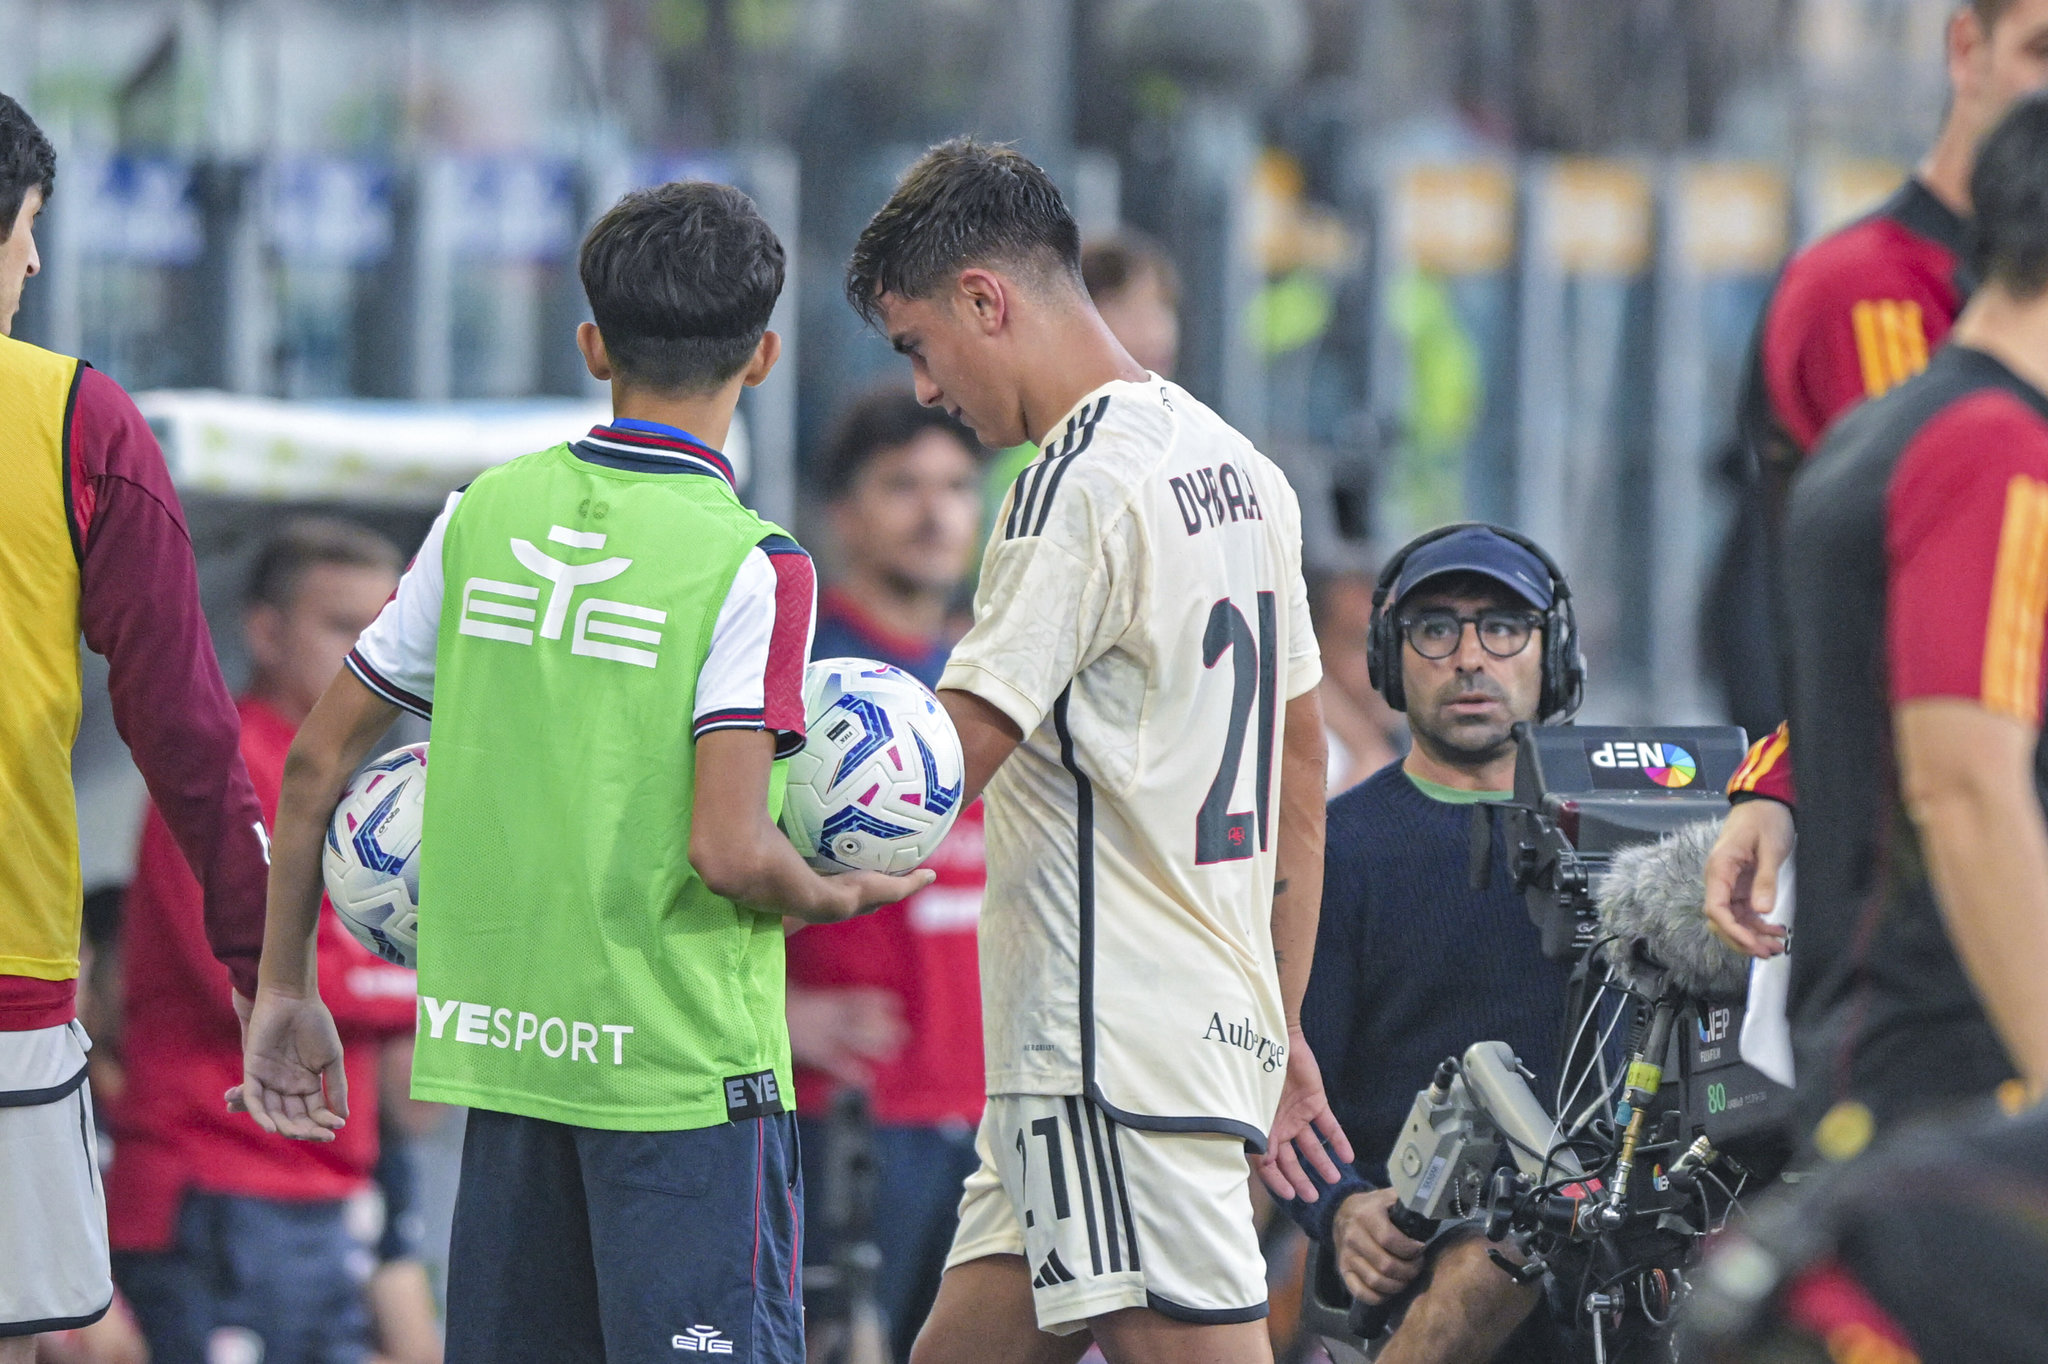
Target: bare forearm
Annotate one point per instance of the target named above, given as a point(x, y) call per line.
point(987, 737)
point(740, 854)
point(1967, 775)
point(1468, 1311)
point(1298, 864)
point(761, 870)
point(329, 747)
point(1988, 859)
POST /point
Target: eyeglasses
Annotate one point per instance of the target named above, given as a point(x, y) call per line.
point(1437, 634)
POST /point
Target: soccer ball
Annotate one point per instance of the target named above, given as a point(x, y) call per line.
point(878, 782)
point(372, 860)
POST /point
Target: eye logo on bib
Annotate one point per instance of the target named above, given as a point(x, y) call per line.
point(1675, 766)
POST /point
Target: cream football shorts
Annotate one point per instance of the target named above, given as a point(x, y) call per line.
point(53, 1212)
point(1108, 1216)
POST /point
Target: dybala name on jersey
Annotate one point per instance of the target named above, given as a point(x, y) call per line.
point(1213, 495)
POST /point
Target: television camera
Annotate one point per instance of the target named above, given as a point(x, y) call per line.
point(1603, 1196)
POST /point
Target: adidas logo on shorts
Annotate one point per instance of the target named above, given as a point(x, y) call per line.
point(1052, 1273)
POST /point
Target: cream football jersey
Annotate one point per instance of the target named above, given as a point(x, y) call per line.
point(1142, 618)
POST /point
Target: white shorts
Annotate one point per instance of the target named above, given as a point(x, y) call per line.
point(54, 1273)
point(1108, 1216)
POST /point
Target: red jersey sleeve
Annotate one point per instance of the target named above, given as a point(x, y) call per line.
point(1767, 770)
point(139, 607)
point(753, 677)
point(1966, 544)
point(1855, 315)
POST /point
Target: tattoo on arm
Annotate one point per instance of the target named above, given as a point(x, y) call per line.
point(1280, 886)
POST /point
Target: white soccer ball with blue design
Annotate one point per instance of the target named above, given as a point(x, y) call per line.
point(879, 780)
point(371, 863)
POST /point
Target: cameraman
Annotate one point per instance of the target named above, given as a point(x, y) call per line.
point(1471, 634)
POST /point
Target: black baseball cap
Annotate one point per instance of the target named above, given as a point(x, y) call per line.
point(1477, 549)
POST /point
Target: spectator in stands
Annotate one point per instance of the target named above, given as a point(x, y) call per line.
point(1137, 291)
point(892, 1002)
point(1362, 731)
point(1134, 286)
point(225, 1238)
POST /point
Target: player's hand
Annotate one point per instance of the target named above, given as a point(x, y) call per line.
point(1305, 1113)
point(293, 1083)
point(841, 1031)
point(1742, 876)
point(1376, 1258)
point(855, 893)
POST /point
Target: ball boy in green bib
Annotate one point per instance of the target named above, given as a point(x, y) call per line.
point(611, 649)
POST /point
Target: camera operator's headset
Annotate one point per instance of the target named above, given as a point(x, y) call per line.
point(1564, 667)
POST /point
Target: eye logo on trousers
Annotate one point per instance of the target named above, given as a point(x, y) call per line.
point(495, 609)
point(702, 1340)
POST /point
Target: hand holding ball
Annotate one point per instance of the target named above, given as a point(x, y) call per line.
point(879, 780)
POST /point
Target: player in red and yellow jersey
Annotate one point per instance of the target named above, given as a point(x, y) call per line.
point(1854, 314)
point(92, 543)
point(1917, 589)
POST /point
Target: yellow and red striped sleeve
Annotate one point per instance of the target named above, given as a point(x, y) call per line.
point(2011, 682)
point(1967, 559)
point(1767, 771)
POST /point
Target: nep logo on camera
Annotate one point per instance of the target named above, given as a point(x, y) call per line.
point(1637, 764)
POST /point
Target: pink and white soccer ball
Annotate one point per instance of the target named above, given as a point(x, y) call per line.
point(371, 863)
point(879, 780)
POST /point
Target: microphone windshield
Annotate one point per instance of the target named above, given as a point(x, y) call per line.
point(1653, 898)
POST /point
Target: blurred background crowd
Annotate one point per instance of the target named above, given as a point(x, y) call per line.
point(1441, 258)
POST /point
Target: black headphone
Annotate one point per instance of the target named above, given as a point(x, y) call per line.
point(1564, 667)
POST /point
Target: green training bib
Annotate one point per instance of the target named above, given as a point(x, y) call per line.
point(572, 966)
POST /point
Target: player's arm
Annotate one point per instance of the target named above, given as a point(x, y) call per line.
point(741, 855)
point(293, 1083)
point(1298, 864)
point(1304, 1110)
point(987, 737)
point(749, 712)
point(291, 1052)
point(1967, 774)
point(139, 608)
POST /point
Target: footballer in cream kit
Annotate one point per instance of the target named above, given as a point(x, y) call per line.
point(1142, 618)
point(1141, 640)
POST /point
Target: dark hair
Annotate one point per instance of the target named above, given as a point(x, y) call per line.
point(309, 542)
point(963, 203)
point(681, 279)
point(885, 419)
point(2008, 239)
point(27, 161)
point(1989, 12)
point(1113, 264)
